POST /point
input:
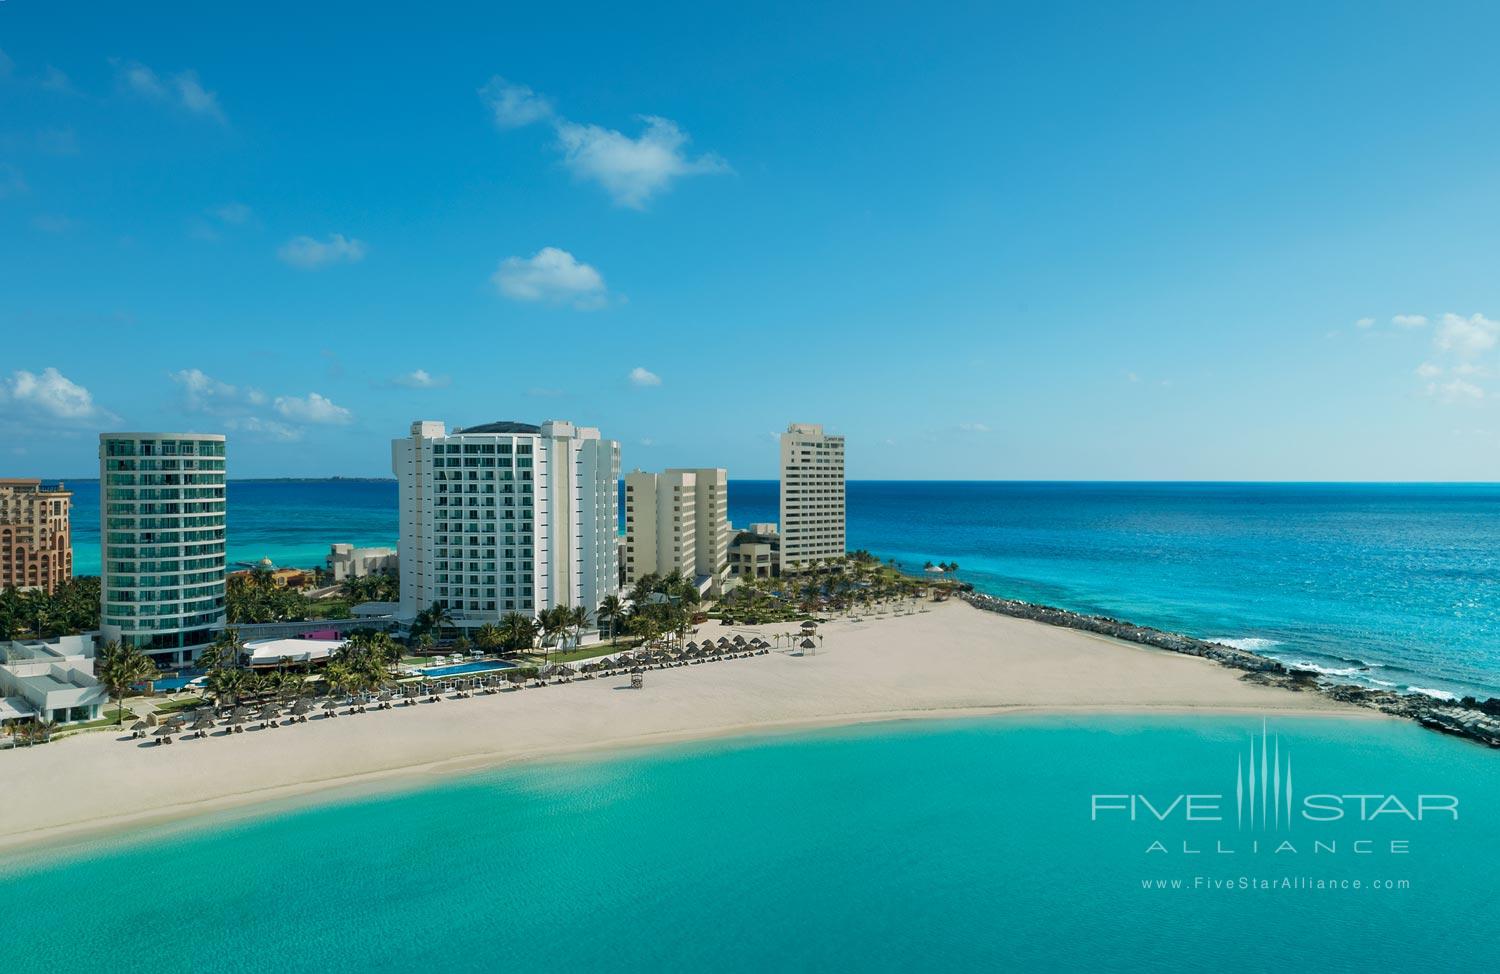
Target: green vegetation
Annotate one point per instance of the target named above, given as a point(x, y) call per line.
point(73, 608)
point(371, 588)
point(118, 668)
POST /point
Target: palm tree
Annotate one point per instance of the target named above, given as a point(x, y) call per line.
point(226, 685)
point(517, 631)
point(121, 667)
point(489, 637)
point(612, 608)
point(579, 617)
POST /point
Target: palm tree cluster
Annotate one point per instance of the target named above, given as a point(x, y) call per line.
point(378, 587)
point(662, 605)
point(252, 597)
point(363, 663)
point(73, 608)
point(119, 669)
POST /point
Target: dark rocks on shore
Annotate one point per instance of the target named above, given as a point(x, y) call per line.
point(1467, 718)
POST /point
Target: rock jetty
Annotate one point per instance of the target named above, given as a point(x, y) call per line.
point(1469, 718)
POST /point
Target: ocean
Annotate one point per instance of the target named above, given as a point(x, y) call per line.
point(949, 845)
point(1386, 585)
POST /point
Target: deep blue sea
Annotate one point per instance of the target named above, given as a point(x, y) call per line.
point(947, 846)
point(1388, 585)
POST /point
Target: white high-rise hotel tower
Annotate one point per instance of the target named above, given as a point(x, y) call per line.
point(812, 497)
point(506, 517)
point(161, 517)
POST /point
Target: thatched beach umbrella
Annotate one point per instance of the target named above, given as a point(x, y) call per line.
point(330, 705)
point(302, 706)
point(140, 725)
point(739, 640)
point(809, 625)
point(162, 733)
point(809, 644)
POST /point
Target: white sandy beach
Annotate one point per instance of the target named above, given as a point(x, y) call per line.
point(949, 661)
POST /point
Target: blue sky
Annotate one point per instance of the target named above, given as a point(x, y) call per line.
point(988, 241)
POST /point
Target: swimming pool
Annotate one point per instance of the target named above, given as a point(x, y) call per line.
point(459, 669)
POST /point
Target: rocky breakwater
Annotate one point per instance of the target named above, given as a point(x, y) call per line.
point(1469, 718)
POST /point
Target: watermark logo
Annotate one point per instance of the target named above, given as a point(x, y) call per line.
point(1272, 785)
point(1268, 800)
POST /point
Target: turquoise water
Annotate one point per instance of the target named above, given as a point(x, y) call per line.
point(487, 666)
point(1391, 585)
point(960, 846)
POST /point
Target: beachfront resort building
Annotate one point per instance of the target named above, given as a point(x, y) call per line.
point(36, 549)
point(506, 517)
point(812, 497)
point(161, 516)
point(50, 679)
point(678, 521)
point(346, 561)
point(755, 552)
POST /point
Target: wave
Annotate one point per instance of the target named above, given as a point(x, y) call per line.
point(1440, 694)
point(1250, 644)
point(1303, 664)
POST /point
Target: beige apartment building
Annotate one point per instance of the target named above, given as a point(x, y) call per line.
point(678, 521)
point(36, 547)
point(812, 497)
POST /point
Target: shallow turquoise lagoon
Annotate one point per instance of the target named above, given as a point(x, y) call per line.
point(965, 845)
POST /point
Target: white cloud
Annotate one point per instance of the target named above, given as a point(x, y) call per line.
point(49, 396)
point(182, 89)
point(266, 428)
point(421, 379)
point(1455, 390)
point(514, 105)
point(1429, 371)
point(973, 427)
point(633, 170)
point(234, 214)
point(551, 274)
point(54, 80)
point(310, 254)
point(1409, 321)
point(202, 392)
point(1467, 336)
point(1364, 323)
point(312, 408)
point(644, 377)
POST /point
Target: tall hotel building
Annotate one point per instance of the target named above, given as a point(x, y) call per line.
point(812, 497)
point(161, 514)
point(36, 550)
point(506, 517)
point(678, 521)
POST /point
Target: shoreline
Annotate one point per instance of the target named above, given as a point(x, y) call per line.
point(1480, 723)
point(948, 661)
point(255, 804)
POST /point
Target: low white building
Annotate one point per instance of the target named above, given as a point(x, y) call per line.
point(274, 652)
point(50, 679)
point(346, 561)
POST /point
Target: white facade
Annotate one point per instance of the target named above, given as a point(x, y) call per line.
point(51, 679)
point(506, 517)
point(161, 514)
point(812, 497)
point(678, 521)
point(346, 561)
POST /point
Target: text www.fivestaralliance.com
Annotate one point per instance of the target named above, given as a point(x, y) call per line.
point(1283, 883)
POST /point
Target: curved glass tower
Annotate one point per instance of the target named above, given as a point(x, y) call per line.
point(161, 518)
